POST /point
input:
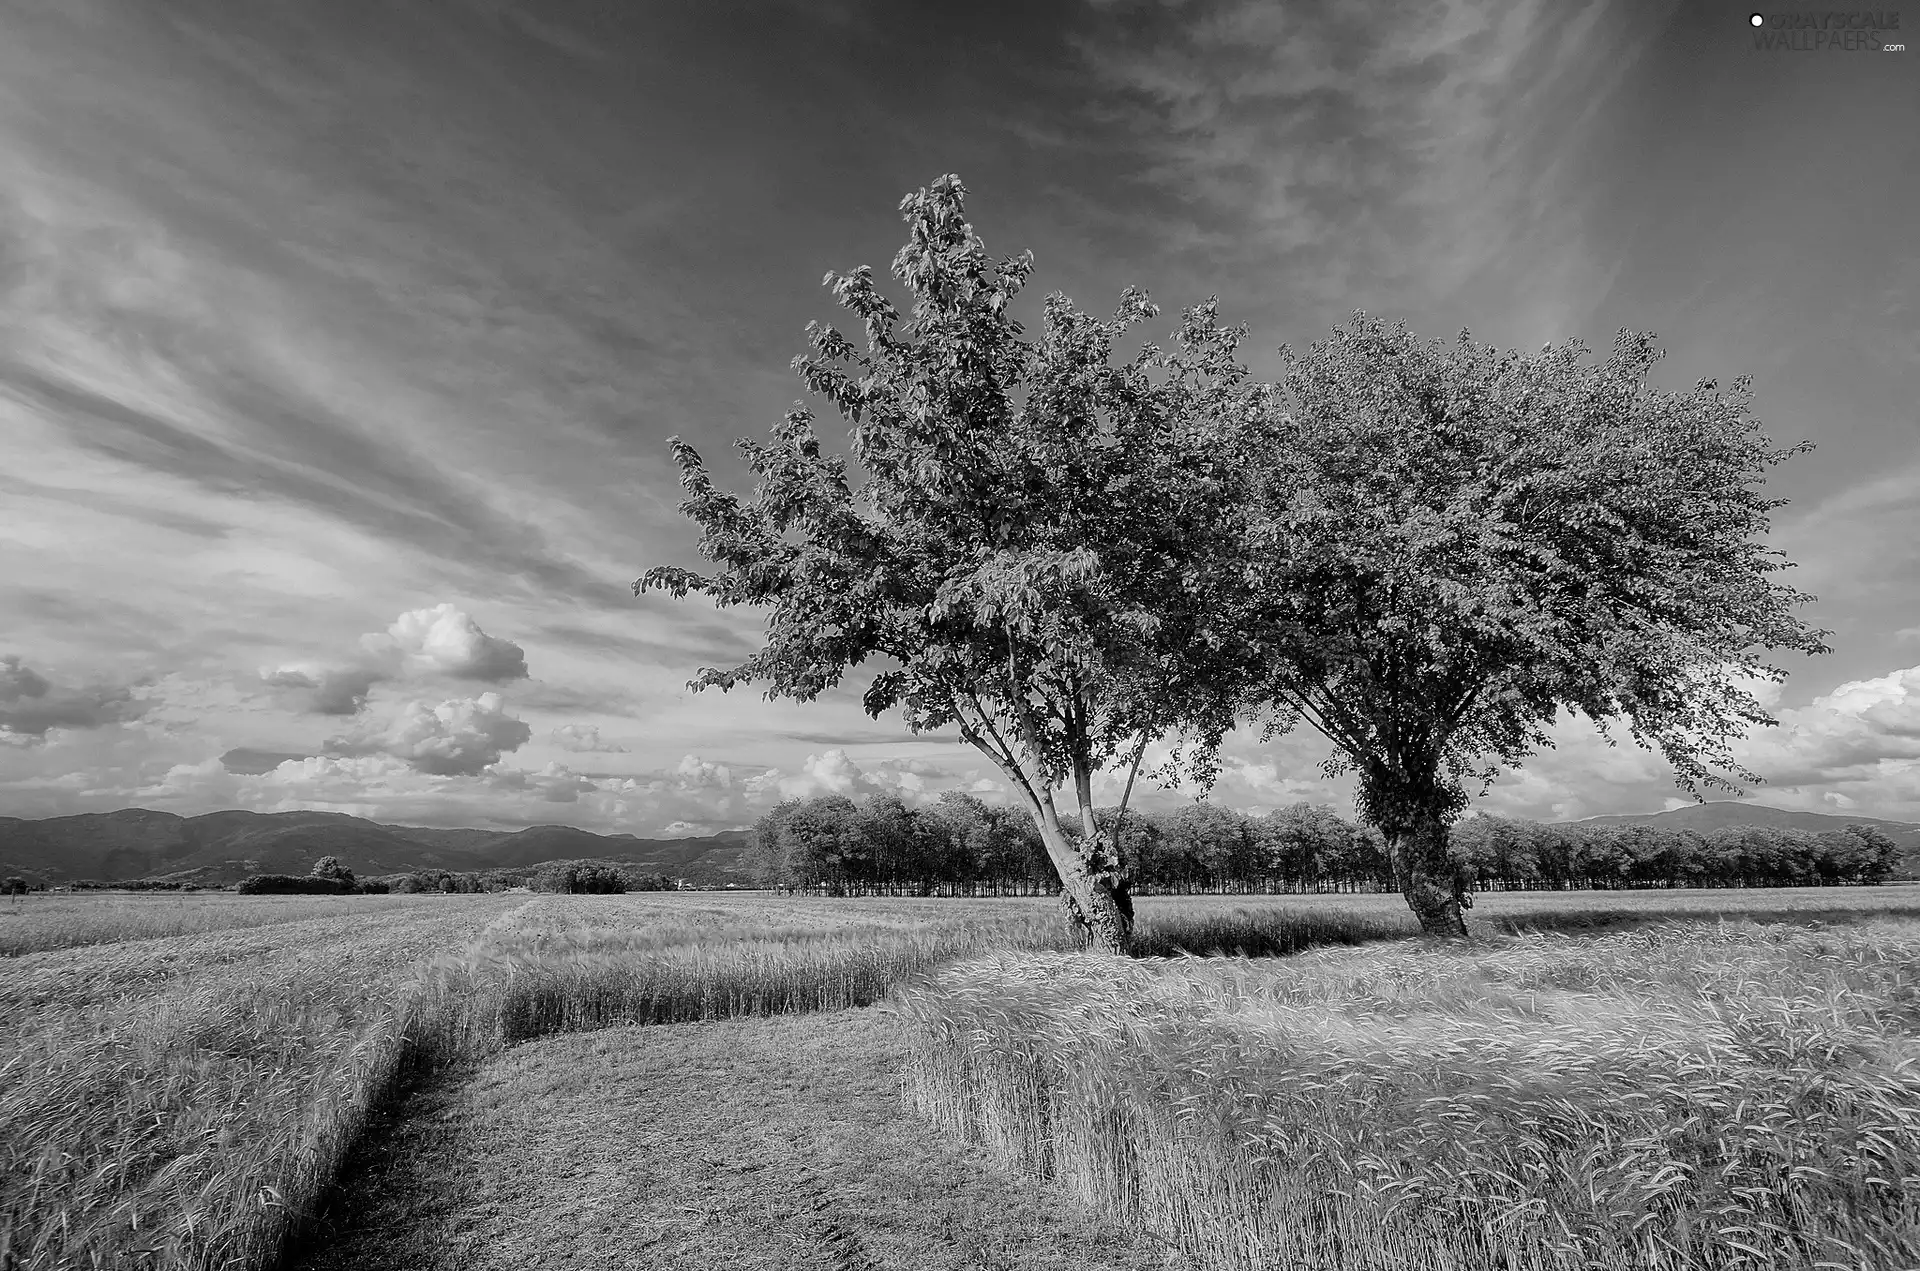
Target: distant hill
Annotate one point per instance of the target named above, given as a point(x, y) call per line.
point(1720, 813)
point(226, 846)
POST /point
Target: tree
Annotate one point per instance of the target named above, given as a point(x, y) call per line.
point(14, 886)
point(822, 843)
point(1035, 547)
point(1450, 545)
point(331, 869)
point(766, 858)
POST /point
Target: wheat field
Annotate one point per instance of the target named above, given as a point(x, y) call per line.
point(1693, 1095)
point(44, 922)
point(186, 1100)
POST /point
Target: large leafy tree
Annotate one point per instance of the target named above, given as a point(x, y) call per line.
point(1034, 547)
point(1476, 540)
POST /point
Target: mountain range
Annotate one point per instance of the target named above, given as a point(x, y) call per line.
point(222, 847)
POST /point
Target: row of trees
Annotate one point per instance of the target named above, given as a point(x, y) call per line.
point(1424, 550)
point(965, 846)
point(595, 877)
point(552, 876)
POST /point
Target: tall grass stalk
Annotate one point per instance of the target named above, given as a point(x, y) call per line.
point(185, 1102)
point(1702, 1096)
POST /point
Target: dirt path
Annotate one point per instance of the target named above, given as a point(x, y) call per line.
point(753, 1144)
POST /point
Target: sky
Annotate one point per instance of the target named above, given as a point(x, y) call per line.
point(340, 345)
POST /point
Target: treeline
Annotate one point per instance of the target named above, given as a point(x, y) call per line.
point(307, 885)
point(963, 846)
point(551, 876)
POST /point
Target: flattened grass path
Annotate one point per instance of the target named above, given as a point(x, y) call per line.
point(755, 1144)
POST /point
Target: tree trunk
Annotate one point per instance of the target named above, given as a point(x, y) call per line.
point(1427, 876)
point(1410, 818)
point(1102, 909)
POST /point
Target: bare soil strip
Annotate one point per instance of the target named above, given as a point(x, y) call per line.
point(749, 1143)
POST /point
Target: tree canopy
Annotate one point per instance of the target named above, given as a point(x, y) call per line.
point(1033, 547)
point(1475, 541)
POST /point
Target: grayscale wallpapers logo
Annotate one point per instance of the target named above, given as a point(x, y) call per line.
point(1827, 32)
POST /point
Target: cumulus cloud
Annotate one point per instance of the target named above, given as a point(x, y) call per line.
point(441, 639)
point(1864, 731)
point(555, 783)
point(447, 640)
point(695, 773)
point(459, 737)
point(585, 739)
point(323, 690)
point(835, 772)
point(30, 704)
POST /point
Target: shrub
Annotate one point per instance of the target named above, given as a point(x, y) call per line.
point(290, 885)
point(577, 877)
point(332, 869)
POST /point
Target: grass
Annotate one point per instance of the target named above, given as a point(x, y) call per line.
point(1694, 1095)
point(755, 1144)
point(189, 1099)
point(42, 922)
point(186, 1100)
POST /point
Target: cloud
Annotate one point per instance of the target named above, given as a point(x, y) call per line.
point(566, 698)
point(246, 761)
point(869, 737)
point(30, 704)
point(441, 639)
point(835, 772)
point(445, 639)
point(585, 739)
point(1364, 145)
point(1863, 733)
point(453, 738)
point(555, 783)
point(694, 773)
point(1858, 545)
point(325, 690)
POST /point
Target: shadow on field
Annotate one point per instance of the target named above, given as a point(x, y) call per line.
point(1594, 922)
point(1258, 931)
